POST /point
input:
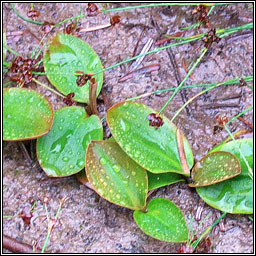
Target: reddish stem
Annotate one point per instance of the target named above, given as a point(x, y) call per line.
point(13, 245)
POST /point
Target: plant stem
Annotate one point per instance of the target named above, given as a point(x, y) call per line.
point(144, 54)
point(34, 51)
point(46, 241)
point(51, 226)
point(68, 19)
point(41, 50)
point(25, 19)
point(160, 4)
point(208, 230)
point(11, 50)
point(7, 64)
point(228, 82)
point(240, 114)
point(186, 77)
point(47, 87)
point(198, 23)
point(194, 97)
point(250, 172)
point(200, 224)
point(39, 73)
point(191, 219)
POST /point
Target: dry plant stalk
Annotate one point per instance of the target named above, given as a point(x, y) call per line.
point(92, 108)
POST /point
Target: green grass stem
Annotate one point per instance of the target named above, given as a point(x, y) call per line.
point(47, 87)
point(11, 50)
point(184, 80)
point(23, 18)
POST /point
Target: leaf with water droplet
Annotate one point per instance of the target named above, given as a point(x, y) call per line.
point(234, 195)
point(62, 151)
point(215, 167)
point(162, 179)
point(156, 150)
point(65, 55)
point(112, 177)
point(163, 220)
point(22, 119)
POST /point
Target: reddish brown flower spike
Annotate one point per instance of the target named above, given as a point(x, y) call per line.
point(92, 10)
point(202, 12)
point(242, 82)
point(68, 100)
point(210, 38)
point(185, 249)
point(222, 120)
point(47, 27)
point(204, 246)
point(217, 129)
point(32, 13)
point(114, 20)
point(26, 215)
point(83, 79)
point(69, 29)
point(155, 120)
point(22, 69)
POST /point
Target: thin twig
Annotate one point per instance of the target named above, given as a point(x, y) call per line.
point(146, 69)
point(81, 30)
point(25, 152)
point(13, 245)
point(178, 79)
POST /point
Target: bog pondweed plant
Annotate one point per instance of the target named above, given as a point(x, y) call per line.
point(146, 151)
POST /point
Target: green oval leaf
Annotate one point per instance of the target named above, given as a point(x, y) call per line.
point(162, 179)
point(62, 151)
point(26, 114)
point(163, 220)
point(65, 55)
point(115, 176)
point(215, 167)
point(234, 195)
point(156, 150)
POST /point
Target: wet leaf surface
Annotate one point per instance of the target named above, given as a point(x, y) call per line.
point(65, 55)
point(162, 179)
point(26, 114)
point(215, 167)
point(156, 150)
point(115, 176)
point(163, 220)
point(62, 151)
point(234, 195)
